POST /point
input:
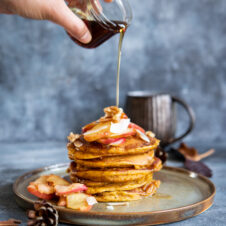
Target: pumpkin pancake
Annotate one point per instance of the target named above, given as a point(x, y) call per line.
point(132, 145)
point(90, 183)
point(123, 196)
point(119, 186)
point(73, 153)
point(112, 175)
point(119, 161)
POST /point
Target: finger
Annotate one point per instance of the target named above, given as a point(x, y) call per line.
point(63, 16)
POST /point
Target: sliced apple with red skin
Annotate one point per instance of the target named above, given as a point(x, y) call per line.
point(43, 187)
point(78, 201)
point(32, 188)
point(99, 131)
point(143, 136)
point(54, 180)
point(109, 141)
point(127, 133)
point(118, 142)
point(73, 188)
point(88, 126)
point(135, 126)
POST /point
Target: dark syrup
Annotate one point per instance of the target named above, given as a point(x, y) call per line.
point(100, 32)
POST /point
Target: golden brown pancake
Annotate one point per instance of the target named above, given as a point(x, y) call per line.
point(74, 154)
point(90, 183)
point(123, 196)
point(145, 159)
point(117, 196)
point(112, 176)
point(119, 186)
point(133, 145)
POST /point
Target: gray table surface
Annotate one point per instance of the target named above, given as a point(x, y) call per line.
point(16, 159)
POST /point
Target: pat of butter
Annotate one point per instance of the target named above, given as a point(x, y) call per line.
point(120, 127)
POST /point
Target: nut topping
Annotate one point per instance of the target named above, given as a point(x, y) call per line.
point(73, 137)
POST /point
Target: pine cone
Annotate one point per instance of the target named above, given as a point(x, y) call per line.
point(44, 214)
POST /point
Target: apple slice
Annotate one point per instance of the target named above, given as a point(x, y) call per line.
point(99, 131)
point(78, 201)
point(88, 126)
point(73, 188)
point(127, 133)
point(136, 127)
point(56, 180)
point(32, 188)
point(143, 136)
point(118, 142)
point(45, 188)
point(112, 141)
point(108, 140)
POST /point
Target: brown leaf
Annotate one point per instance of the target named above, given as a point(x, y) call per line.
point(10, 222)
point(198, 167)
point(192, 154)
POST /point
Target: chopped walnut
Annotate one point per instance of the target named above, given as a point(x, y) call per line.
point(78, 143)
point(150, 134)
point(112, 113)
point(73, 137)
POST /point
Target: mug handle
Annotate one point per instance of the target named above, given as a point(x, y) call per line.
point(191, 118)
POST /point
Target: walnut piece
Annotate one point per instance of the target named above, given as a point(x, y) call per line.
point(112, 113)
point(73, 137)
point(78, 143)
point(150, 134)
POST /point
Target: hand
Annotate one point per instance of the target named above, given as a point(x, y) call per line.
point(56, 11)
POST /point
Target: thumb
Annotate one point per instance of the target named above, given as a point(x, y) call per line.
point(63, 16)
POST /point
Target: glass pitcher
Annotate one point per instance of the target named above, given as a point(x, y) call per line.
point(103, 18)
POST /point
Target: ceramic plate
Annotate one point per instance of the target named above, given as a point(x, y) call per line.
point(182, 194)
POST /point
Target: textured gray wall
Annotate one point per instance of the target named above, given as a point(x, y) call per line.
point(49, 86)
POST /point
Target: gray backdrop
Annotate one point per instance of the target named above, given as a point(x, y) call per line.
point(49, 86)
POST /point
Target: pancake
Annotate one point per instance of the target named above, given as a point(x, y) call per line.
point(119, 186)
point(76, 154)
point(112, 176)
point(132, 145)
point(124, 196)
point(119, 161)
point(90, 183)
point(117, 196)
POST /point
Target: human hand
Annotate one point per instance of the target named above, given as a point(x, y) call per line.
point(56, 11)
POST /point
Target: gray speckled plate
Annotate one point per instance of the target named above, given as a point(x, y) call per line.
point(182, 194)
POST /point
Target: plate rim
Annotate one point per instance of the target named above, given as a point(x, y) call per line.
point(144, 213)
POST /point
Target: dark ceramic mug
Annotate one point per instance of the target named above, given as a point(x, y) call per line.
point(157, 113)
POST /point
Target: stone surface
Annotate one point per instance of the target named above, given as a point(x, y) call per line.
point(16, 159)
point(49, 86)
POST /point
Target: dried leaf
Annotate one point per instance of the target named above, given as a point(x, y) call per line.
point(198, 167)
point(192, 153)
point(11, 222)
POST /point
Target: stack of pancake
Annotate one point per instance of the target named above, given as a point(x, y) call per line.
point(114, 158)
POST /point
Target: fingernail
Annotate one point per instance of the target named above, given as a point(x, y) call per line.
point(86, 38)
